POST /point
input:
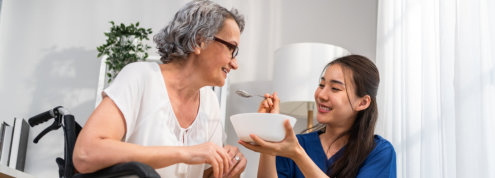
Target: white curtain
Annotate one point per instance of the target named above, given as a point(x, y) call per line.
point(436, 100)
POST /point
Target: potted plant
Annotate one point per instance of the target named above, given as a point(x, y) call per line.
point(124, 45)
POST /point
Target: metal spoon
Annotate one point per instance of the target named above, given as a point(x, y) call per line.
point(245, 94)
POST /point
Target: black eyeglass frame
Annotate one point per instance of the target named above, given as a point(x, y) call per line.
point(234, 48)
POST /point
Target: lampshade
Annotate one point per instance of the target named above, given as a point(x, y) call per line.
point(297, 70)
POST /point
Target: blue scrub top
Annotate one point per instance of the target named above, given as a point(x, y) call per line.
point(379, 163)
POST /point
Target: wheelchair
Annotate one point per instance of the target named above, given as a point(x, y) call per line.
point(63, 119)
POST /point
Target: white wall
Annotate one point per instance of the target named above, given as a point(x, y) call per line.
point(48, 53)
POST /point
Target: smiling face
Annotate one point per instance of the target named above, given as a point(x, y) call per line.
point(335, 98)
point(215, 60)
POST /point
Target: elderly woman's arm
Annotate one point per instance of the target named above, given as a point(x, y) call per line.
point(99, 145)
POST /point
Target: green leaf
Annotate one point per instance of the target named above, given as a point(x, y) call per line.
point(120, 49)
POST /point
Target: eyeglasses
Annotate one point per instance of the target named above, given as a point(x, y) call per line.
point(231, 47)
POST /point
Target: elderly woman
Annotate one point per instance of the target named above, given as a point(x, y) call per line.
point(163, 115)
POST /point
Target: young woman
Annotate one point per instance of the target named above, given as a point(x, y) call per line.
point(163, 115)
point(344, 144)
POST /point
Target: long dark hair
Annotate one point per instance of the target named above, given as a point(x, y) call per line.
point(361, 134)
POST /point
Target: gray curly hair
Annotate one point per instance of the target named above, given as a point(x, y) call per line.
point(198, 21)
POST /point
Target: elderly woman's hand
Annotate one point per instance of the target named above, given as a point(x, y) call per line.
point(271, 104)
point(289, 147)
point(209, 153)
point(238, 161)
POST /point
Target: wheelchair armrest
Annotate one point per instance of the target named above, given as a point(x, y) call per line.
point(123, 169)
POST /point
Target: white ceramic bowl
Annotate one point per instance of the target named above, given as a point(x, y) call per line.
point(269, 127)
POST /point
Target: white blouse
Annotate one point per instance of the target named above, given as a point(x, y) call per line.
point(139, 92)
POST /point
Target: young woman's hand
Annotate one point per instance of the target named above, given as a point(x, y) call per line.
point(271, 104)
point(209, 153)
point(289, 147)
